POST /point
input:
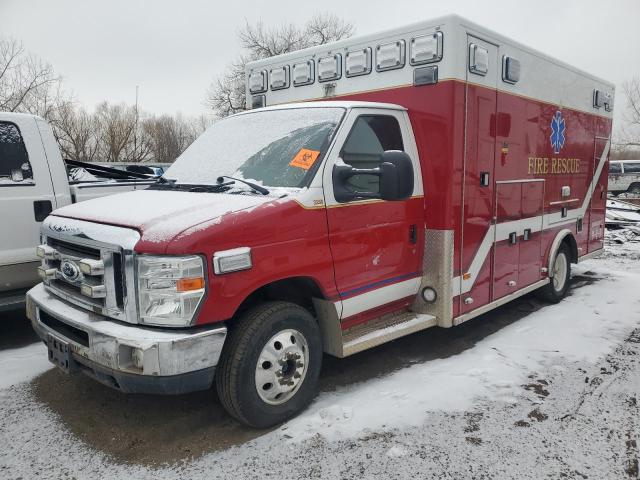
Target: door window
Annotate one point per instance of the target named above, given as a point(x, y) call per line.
point(369, 138)
point(632, 167)
point(14, 161)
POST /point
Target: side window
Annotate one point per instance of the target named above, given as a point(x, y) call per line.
point(369, 138)
point(615, 167)
point(632, 167)
point(14, 161)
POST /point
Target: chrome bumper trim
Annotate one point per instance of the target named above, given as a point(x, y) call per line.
point(165, 352)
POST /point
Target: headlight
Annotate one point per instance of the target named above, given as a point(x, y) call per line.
point(169, 289)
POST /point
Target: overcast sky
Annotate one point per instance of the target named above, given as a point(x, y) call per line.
point(173, 48)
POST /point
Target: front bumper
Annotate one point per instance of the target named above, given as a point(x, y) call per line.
point(173, 361)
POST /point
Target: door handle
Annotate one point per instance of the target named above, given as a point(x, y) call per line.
point(413, 234)
point(513, 238)
point(527, 234)
point(41, 209)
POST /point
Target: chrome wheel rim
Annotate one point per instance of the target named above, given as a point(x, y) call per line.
point(559, 272)
point(282, 366)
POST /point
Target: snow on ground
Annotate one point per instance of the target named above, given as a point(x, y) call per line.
point(581, 328)
point(551, 395)
point(22, 364)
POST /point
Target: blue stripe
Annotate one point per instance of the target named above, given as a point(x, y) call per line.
point(370, 286)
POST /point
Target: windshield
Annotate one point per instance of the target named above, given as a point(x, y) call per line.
point(273, 148)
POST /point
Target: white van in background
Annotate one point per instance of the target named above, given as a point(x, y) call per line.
point(624, 176)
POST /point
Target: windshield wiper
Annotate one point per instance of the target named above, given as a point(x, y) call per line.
point(171, 184)
point(172, 181)
point(255, 186)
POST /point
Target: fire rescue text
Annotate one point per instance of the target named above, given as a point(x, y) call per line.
point(540, 165)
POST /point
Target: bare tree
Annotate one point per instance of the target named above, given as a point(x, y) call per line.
point(226, 94)
point(117, 125)
point(627, 141)
point(77, 133)
point(27, 84)
point(169, 136)
point(326, 28)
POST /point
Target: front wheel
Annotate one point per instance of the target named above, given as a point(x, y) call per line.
point(558, 285)
point(270, 364)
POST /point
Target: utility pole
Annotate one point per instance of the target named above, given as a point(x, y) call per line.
point(135, 129)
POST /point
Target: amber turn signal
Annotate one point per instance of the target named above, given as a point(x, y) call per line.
point(189, 284)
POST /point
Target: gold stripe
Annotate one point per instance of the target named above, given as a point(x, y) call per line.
point(349, 204)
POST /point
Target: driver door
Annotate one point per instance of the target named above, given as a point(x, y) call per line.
point(375, 244)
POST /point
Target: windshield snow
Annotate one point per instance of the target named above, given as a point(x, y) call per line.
point(273, 148)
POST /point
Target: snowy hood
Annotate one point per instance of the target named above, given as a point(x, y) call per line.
point(160, 215)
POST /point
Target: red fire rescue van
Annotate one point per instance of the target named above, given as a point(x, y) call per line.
point(378, 186)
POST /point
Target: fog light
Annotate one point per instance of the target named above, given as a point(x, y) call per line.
point(93, 291)
point(429, 295)
point(137, 358)
point(91, 267)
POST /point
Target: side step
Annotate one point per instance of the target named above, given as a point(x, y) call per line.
point(382, 330)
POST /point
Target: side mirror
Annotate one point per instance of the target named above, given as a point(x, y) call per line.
point(396, 179)
point(395, 175)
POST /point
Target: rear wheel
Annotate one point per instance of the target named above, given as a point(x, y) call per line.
point(558, 285)
point(270, 364)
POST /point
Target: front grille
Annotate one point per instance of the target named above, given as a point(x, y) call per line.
point(75, 250)
point(66, 258)
point(72, 333)
point(118, 279)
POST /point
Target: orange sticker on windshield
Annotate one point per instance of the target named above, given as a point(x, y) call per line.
point(305, 158)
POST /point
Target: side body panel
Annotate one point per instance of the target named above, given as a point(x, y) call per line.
point(535, 138)
point(20, 228)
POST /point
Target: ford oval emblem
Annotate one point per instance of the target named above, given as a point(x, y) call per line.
point(69, 270)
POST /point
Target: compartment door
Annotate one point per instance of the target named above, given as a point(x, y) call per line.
point(506, 259)
point(530, 233)
point(598, 197)
point(480, 143)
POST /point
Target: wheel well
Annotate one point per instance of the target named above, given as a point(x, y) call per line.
point(298, 290)
point(570, 242)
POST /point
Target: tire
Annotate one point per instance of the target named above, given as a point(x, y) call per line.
point(558, 285)
point(634, 188)
point(270, 364)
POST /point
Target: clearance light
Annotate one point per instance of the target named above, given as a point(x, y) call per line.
point(303, 73)
point(258, 82)
point(426, 49)
point(234, 260)
point(330, 68)
point(280, 78)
